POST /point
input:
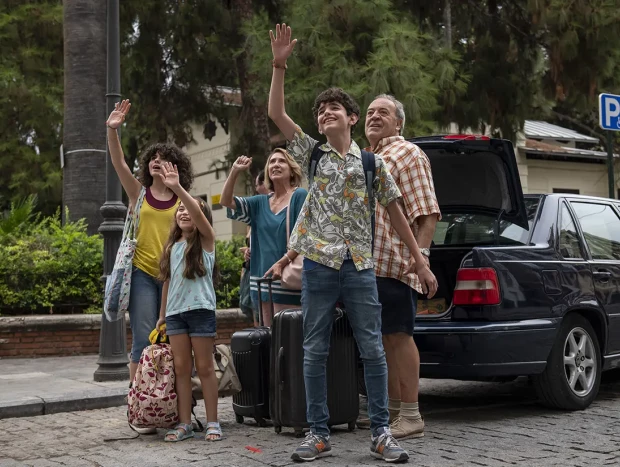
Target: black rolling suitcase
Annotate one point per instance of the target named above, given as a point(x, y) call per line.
point(250, 350)
point(288, 394)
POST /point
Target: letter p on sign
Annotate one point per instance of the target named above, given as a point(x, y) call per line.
point(609, 112)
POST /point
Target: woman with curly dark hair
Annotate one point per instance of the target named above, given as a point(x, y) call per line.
point(157, 205)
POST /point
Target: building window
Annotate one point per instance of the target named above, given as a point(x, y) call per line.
point(569, 191)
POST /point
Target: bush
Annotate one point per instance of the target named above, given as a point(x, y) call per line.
point(229, 260)
point(46, 267)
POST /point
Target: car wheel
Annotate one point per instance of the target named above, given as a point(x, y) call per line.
point(572, 376)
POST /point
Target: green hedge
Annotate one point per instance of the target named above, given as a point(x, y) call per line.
point(47, 267)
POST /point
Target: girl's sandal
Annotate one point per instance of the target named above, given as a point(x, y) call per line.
point(213, 429)
point(181, 431)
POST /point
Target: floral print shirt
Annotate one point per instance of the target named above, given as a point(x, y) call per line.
point(335, 221)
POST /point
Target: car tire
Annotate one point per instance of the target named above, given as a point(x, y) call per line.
point(572, 376)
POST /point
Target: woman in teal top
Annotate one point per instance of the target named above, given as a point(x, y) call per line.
point(266, 215)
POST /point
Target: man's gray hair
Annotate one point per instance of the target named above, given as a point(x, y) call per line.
point(400, 109)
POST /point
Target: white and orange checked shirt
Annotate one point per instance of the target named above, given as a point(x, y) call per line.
point(411, 170)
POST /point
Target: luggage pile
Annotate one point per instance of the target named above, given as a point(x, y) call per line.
point(269, 362)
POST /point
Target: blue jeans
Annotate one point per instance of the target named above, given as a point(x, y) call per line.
point(322, 288)
point(144, 304)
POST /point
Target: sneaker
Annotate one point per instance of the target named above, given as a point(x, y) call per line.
point(407, 428)
point(146, 430)
point(312, 447)
point(387, 448)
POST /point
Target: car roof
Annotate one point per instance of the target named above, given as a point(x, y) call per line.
point(570, 195)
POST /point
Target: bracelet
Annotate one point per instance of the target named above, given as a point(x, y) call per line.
point(275, 65)
point(288, 257)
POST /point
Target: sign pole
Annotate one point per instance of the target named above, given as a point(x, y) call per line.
point(610, 164)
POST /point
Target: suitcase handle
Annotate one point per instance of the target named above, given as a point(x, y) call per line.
point(259, 282)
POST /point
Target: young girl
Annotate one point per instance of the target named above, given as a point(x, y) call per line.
point(188, 304)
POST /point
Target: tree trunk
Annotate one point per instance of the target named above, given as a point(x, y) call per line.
point(84, 133)
point(447, 21)
point(254, 140)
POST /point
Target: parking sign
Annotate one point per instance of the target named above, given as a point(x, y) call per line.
point(609, 112)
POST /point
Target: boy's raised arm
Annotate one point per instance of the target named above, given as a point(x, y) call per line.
point(282, 47)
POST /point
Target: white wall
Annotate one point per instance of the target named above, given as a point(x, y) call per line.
point(206, 157)
point(589, 179)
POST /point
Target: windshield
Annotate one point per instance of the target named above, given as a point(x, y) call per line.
point(479, 229)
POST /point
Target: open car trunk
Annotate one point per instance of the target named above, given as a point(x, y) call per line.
point(479, 193)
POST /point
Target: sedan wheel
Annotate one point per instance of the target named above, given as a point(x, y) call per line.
point(580, 362)
point(572, 376)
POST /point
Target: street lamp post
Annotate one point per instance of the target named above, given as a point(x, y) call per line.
point(113, 337)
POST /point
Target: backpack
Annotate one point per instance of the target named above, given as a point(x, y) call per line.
point(370, 169)
point(152, 399)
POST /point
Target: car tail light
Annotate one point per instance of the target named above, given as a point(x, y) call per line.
point(476, 286)
point(468, 137)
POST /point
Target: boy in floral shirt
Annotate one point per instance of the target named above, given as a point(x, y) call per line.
point(333, 233)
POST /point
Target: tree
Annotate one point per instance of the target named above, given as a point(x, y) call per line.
point(365, 47)
point(177, 58)
point(583, 59)
point(31, 87)
point(84, 117)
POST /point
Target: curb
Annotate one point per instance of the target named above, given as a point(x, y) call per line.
point(72, 402)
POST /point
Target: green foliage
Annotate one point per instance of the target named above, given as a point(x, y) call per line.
point(508, 60)
point(50, 267)
point(19, 217)
point(229, 260)
point(31, 98)
point(367, 48)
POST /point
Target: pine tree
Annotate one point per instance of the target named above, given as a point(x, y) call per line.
point(31, 93)
point(365, 47)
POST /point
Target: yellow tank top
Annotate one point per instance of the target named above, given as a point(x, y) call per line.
point(156, 219)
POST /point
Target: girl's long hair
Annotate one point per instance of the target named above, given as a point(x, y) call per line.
point(194, 264)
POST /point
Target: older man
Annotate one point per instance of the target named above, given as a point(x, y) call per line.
point(398, 290)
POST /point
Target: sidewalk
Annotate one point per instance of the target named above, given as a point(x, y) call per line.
point(40, 386)
point(43, 386)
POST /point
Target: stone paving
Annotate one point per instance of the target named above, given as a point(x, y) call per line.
point(477, 424)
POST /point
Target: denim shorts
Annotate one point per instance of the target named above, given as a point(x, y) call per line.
point(196, 323)
point(399, 304)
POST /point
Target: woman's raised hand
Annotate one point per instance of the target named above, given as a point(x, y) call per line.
point(242, 163)
point(281, 44)
point(117, 117)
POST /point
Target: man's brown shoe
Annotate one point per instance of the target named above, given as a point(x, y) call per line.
point(407, 428)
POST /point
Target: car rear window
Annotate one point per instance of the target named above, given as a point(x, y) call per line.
point(479, 229)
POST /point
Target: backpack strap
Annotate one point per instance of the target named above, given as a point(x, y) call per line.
point(370, 169)
point(314, 162)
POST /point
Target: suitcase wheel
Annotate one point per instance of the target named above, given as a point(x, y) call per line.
point(277, 429)
point(239, 418)
point(261, 422)
point(351, 426)
point(299, 432)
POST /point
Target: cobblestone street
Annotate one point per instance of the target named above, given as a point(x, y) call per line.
point(483, 424)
